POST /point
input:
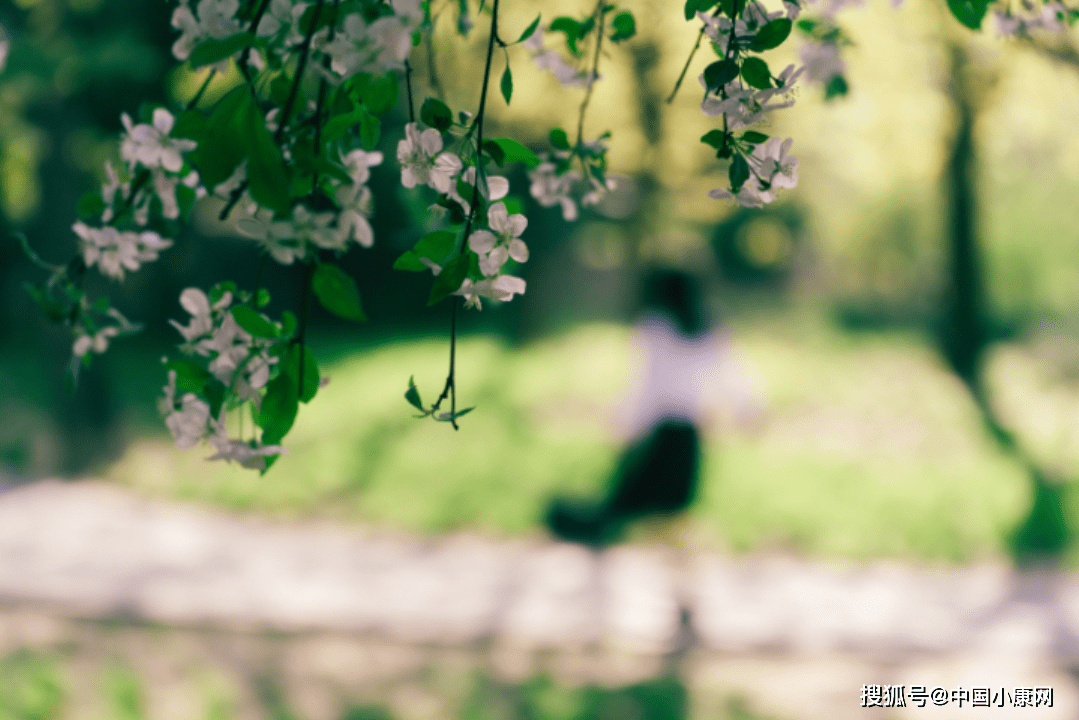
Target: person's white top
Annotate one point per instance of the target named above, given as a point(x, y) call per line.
point(680, 377)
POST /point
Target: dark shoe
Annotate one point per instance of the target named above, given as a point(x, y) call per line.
point(585, 523)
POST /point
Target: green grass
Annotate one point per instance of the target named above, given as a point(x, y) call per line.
point(870, 447)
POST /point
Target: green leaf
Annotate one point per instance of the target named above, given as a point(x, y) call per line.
point(279, 407)
point(413, 394)
point(266, 176)
point(191, 125)
point(571, 28)
point(713, 138)
point(739, 173)
point(969, 12)
point(214, 391)
point(495, 151)
point(807, 25)
point(436, 114)
point(529, 30)
point(280, 87)
point(514, 151)
point(288, 323)
point(252, 322)
point(436, 246)
point(337, 292)
point(290, 366)
point(211, 51)
point(304, 159)
point(185, 199)
point(624, 25)
point(720, 73)
point(189, 376)
point(754, 137)
point(506, 85)
point(325, 18)
point(338, 125)
point(836, 87)
point(90, 206)
point(690, 9)
point(450, 417)
point(370, 130)
point(559, 139)
point(409, 261)
point(262, 297)
point(771, 35)
point(379, 93)
point(756, 73)
point(449, 280)
point(223, 145)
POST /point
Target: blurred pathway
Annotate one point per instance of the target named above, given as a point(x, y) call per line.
point(94, 550)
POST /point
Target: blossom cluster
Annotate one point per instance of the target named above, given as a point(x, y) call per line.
point(155, 160)
point(366, 38)
point(566, 74)
point(240, 362)
point(1023, 17)
point(423, 162)
point(741, 90)
point(771, 168)
point(494, 247)
point(130, 217)
point(292, 239)
point(555, 181)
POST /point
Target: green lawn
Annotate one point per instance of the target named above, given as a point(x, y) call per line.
point(869, 447)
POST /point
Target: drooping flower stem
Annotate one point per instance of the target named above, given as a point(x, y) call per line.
point(242, 64)
point(202, 89)
point(599, 16)
point(320, 103)
point(432, 70)
point(408, 91)
point(305, 52)
point(305, 310)
point(450, 388)
point(696, 46)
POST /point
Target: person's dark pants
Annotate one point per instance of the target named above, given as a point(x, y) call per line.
point(656, 476)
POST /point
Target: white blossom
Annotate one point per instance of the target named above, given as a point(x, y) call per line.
point(5, 47)
point(151, 146)
point(494, 248)
point(1048, 17)
point(216, 20)
point(198, 306)
point(286, 240)
point(113, 251)
point(355, 200)
point(822, 61)
point(358, 47)
point(773, 164)
point(188, 422)
point(747, 196)
point(549, 188)
point(225, 188)
point(251, 455)
point(98, 342)
point(549, 60)
point(356, 205)
point(496, 188)
point(754, 16)
point(421, 161)
point(237, 360)
point(501, 287)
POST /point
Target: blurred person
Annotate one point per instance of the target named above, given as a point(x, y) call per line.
point(687, 366)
